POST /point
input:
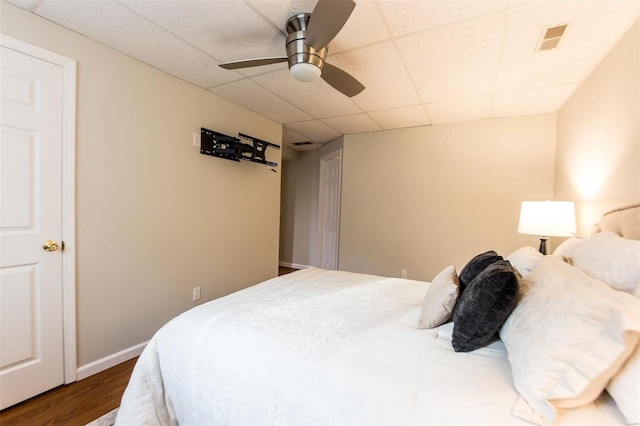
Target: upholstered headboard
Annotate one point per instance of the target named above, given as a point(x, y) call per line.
point(624, 221)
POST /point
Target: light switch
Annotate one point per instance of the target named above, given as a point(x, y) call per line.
point(196, 139)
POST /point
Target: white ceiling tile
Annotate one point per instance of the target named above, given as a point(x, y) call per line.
point(460, 110)
point(409, 16)
point(290, 137)
point(311, 146)
point(227, 30)
point(315, 130)
point(365, 26)
point(381, 70)
point(25, 4)
point(593, 27)
point(279, 11)
point(317, 99)
point(350, 124)
point(252, 96)
point(447, 60)
point(114, 25)
point(456, 61)
point(398, 118)
point(535, 101)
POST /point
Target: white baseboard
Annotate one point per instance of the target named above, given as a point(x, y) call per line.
point(294, 265)
point(109, 361)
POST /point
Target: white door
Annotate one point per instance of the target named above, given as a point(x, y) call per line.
point(31, 316)
point(330, 171)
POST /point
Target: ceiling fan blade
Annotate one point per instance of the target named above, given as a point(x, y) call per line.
point(326, 21)
point(341, 80)
point(247, 63)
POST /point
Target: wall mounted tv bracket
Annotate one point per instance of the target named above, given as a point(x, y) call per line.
point(231, 148)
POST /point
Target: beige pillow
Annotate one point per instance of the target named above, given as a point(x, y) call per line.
point(525, 259)
point(611, 259)
point(567, 337)
point(440, 299)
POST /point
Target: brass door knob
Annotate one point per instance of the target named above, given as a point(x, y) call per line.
point(50, 245)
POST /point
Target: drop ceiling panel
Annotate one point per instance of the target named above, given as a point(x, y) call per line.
point(460, 110)
point(118, 27)
point(365, 25)
point(289, 137)
point(421, 61)
point(314, 130)
point(380, 69)
point(535, 101)
point(317, 99)
point(350, 124)
point(456, 61)
point(398, 118)
point(26, 4)
point(279, 11)
point(409, 16)
point(579, 50)
point(252, 96)
point(226, 30)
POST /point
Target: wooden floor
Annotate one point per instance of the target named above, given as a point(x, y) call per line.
point(77, 403)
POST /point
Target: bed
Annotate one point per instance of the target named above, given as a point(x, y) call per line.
point(333, 347)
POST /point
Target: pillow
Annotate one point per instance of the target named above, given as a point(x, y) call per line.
point(624, 388)
point(566, 248)
point(440, 299)
point(475, 266)
point(525, 259)
point(484, 306)
point(568, 335)
point(612, 259)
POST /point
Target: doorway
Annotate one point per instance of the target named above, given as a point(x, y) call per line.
point(329, 209)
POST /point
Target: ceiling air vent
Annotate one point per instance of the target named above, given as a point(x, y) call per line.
point(302, 143)
point(551, 37)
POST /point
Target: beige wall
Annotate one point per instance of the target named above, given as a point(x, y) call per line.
point(427, 197)
point(155, 218)
point(598, 139)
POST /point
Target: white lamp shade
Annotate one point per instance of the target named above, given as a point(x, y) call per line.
point(548, 218)
point(305, 72)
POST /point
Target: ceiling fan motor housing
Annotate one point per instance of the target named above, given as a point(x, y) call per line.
point(297, 51)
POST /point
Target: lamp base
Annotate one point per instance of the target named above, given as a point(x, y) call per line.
point(543, 245)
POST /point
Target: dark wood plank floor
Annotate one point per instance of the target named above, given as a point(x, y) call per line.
point(75, 404)
point(78, 403)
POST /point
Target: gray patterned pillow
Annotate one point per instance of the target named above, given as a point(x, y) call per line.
point(484, 306)
point(476, 265)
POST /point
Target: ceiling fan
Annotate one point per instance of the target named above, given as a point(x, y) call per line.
point(306, 46)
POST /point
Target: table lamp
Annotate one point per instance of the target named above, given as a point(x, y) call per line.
point(547, 219)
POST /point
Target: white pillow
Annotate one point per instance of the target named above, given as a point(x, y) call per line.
point(525, 259)
point(624, 388)
point(566, 248)
point(568, 336)
point(440, 299)
point(612, 259)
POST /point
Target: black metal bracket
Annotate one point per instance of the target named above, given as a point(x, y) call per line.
point(231, 148)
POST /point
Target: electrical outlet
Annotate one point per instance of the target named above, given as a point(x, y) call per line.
point(196, 139)
point(403, 273)
point(196, 293)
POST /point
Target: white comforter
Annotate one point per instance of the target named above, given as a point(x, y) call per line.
point(322, 347)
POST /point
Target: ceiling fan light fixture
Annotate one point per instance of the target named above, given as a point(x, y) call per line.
point(305, 72)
